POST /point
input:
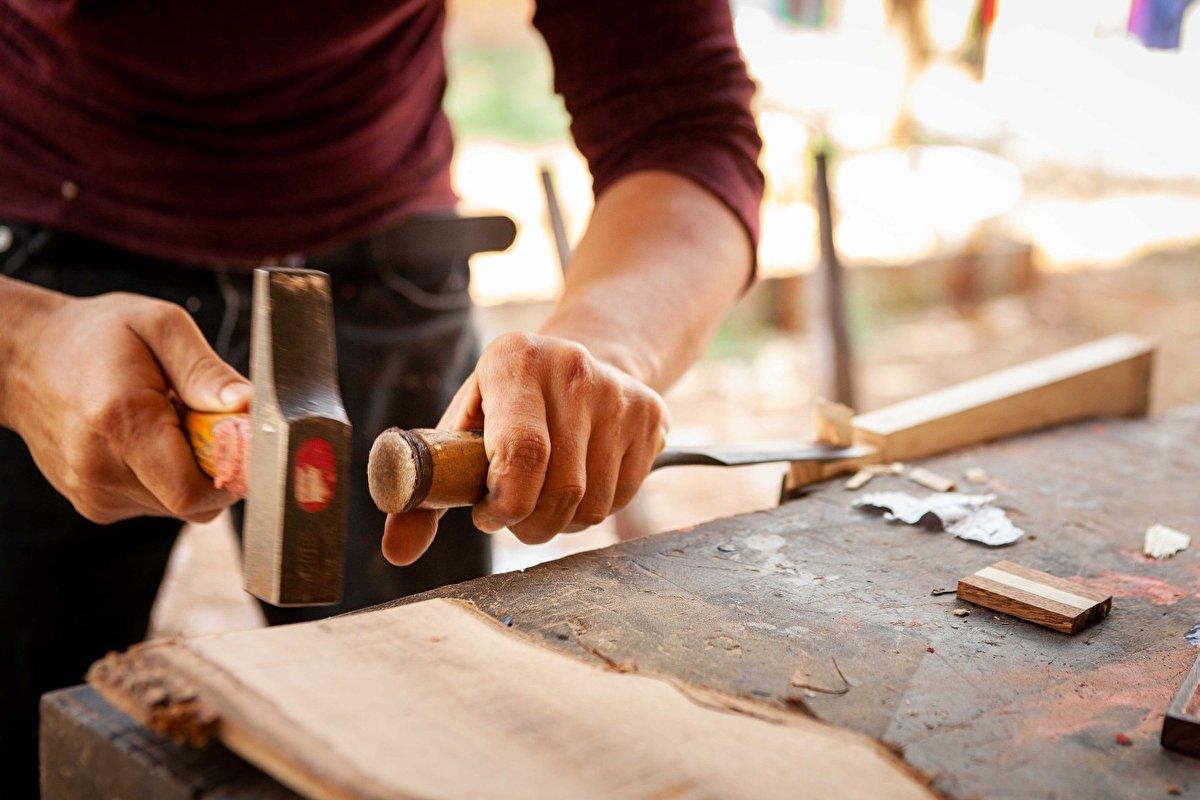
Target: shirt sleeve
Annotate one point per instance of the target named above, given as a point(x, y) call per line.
point(658, 84)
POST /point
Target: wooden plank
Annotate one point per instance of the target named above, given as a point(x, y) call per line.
point(435, 699)
point(1106, 378)
point(1035, 596)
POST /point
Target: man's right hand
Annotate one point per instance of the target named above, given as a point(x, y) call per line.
point(88, 386)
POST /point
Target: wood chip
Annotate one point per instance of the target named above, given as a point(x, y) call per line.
point(975, 475)
point(895, 468)
point(1164, 542)
point(833, 422)
point(859, 479)
point(930, 479)
point(1035, 596)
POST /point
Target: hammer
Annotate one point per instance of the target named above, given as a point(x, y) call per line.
point(433, 469)
point(289, 456)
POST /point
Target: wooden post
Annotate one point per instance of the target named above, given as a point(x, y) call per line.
point(827, 302)
point(557, 227)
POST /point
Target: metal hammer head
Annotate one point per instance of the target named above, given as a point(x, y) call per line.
point(299, 444)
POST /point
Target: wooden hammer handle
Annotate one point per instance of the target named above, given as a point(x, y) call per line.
point(220, 442)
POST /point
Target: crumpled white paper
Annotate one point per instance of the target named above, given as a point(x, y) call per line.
point(1164, 542)
point(967, 516)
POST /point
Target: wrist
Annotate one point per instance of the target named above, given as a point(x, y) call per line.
point(24, 309)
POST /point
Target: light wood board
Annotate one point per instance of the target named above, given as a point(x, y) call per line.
point(1106, 378)
point(436, 700)
point(1109, 377)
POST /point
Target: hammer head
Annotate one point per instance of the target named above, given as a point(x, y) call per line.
point(299, 444)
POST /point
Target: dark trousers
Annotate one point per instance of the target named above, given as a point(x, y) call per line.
point(71, 590)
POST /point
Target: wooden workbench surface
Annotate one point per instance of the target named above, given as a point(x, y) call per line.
point(987, 705)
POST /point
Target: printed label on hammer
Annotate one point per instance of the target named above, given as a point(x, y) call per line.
point(315, 476)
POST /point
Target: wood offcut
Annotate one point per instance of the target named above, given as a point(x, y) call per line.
point(1035, 596)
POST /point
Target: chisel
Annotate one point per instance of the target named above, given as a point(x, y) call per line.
point(424, 468)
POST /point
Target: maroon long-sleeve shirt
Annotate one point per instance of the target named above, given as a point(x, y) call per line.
point(233, 130)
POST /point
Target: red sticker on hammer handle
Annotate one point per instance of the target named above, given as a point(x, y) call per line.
point(315, 475)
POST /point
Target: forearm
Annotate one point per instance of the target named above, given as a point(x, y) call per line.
point(660, 265)
point(22, 306)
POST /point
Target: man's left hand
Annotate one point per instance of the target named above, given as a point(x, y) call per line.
point(569, 437)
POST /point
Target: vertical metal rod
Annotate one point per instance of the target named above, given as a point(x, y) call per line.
point(557, 227)
point(827, 300)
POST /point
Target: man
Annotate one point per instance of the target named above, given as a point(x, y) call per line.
point(151, 154)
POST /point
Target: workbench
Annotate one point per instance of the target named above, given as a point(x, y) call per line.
point(986, 705)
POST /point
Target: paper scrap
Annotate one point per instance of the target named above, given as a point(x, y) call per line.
point(967, 516)
point(1164, 542)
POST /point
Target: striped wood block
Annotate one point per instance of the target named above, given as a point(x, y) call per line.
point(1035, 596)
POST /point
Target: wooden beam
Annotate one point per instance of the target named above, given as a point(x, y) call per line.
point(435, 699)
point(1110, 377)
point(1106, 378)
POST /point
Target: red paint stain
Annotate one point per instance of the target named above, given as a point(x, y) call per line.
point(1137, 556)
point(1145, 683)
point(1123, 740)
point(1122, 584)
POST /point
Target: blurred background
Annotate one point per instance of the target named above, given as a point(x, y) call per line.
point(1006, 179)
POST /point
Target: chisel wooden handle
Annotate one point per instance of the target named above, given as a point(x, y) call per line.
point(220, 442)
point(427, 468)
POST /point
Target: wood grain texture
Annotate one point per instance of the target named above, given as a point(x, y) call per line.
point(437, 700)
point(1035, 596)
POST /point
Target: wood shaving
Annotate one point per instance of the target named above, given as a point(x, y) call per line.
point(930, 479)
point(859, 479)
point(976, 475)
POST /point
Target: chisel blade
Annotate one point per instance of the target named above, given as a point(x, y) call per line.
point(714, 456)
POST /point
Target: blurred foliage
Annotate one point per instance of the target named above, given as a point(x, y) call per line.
point(504, 93)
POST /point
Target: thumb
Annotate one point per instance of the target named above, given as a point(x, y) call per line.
point(406, 537)
point(199, 377)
